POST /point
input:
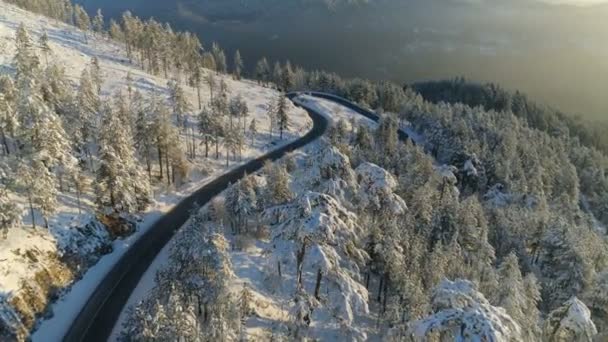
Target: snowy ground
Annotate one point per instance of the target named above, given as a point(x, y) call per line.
point(250, 266)
point(70, 51)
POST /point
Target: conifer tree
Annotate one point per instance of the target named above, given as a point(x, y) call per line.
point(43, 43)
point(238, 65)
point(115, 31)
point(83, 21)
point(219, 57)
point(253, 130)
point(121, 184)
point(38, 185)
point(287, 78)
point(98, 22)
point(262, 71)
point(10, 211)
point(96, 74)
point(283, 120)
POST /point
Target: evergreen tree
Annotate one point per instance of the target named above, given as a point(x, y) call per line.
point(283, 120)
point(96, 74)
point(238, 65)
point(219, 57)
point(89, 105)
point(179, 103)
point(277, 183)
point(82, 20)
point(277, 75)
point(115, 31)
point(253, 130)
point(10, 212)
point(121, 184)
point(43, 43)
point(98, 22)
point(262, 71)
point(39, 186)
point(287, 78)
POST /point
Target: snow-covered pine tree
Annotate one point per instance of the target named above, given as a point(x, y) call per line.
point(512, 296)
point(253, 130)
point(277, 75)
point(570, 322)
point(240, 204)
point(26, 64)
point(262, 71)
point(43, 44)
point(238, 65)
point(9, 122)
point(287, 77)
point(98, 22)
point(277, 184)
point(96, 74)
point(121, 185)
point(179, 103)
point(271, 113)
point(219, 57)
point(82, 20)
point(283, 120)
point(89, 105)
point(39, 187)
point(143, 134)
point(115, 31)
point(10, 211)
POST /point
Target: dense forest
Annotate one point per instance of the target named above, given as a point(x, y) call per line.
point(493, 97)
point(496, 217)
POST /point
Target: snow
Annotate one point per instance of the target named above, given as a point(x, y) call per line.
point(460, 308)
point(74, 55)
point(330, 229)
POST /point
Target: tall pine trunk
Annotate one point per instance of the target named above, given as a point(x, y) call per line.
point(29, 199)
point(160, 161)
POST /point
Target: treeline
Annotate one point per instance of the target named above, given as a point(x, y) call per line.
point(492, 96)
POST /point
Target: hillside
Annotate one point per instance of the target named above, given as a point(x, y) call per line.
point(39, 265)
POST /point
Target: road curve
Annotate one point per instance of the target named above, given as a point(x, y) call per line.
point(97, 318)
point(403, 136)
point(101, 311)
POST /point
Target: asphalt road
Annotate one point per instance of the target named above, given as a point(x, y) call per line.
point(97, 318)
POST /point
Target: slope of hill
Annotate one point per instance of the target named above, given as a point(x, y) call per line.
point(39, 265)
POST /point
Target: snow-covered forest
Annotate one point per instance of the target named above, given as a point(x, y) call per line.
point(96, 144)
point(487, 224)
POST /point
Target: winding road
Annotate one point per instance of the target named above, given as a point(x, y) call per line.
point(101, 311)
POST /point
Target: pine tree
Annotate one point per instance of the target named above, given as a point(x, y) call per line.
point(283, 120)
point(238, 65)
point(179, 103)
point(83, 21)
point(96, 74)
point(89, 106)
point(219, 57)
point(513, 296)
point(43, 43)
point(115, 31)
point(262, 71)
point(98, 22)
point(121, 184)
point(26, 62)
point(277, 75)
point(271, 113)
point(38, 185)
point(287, 77)
point(210, 81)
point(10, 212)
point(277, 191)
point(143, 131)
point(253, 130)
point(9, 122)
